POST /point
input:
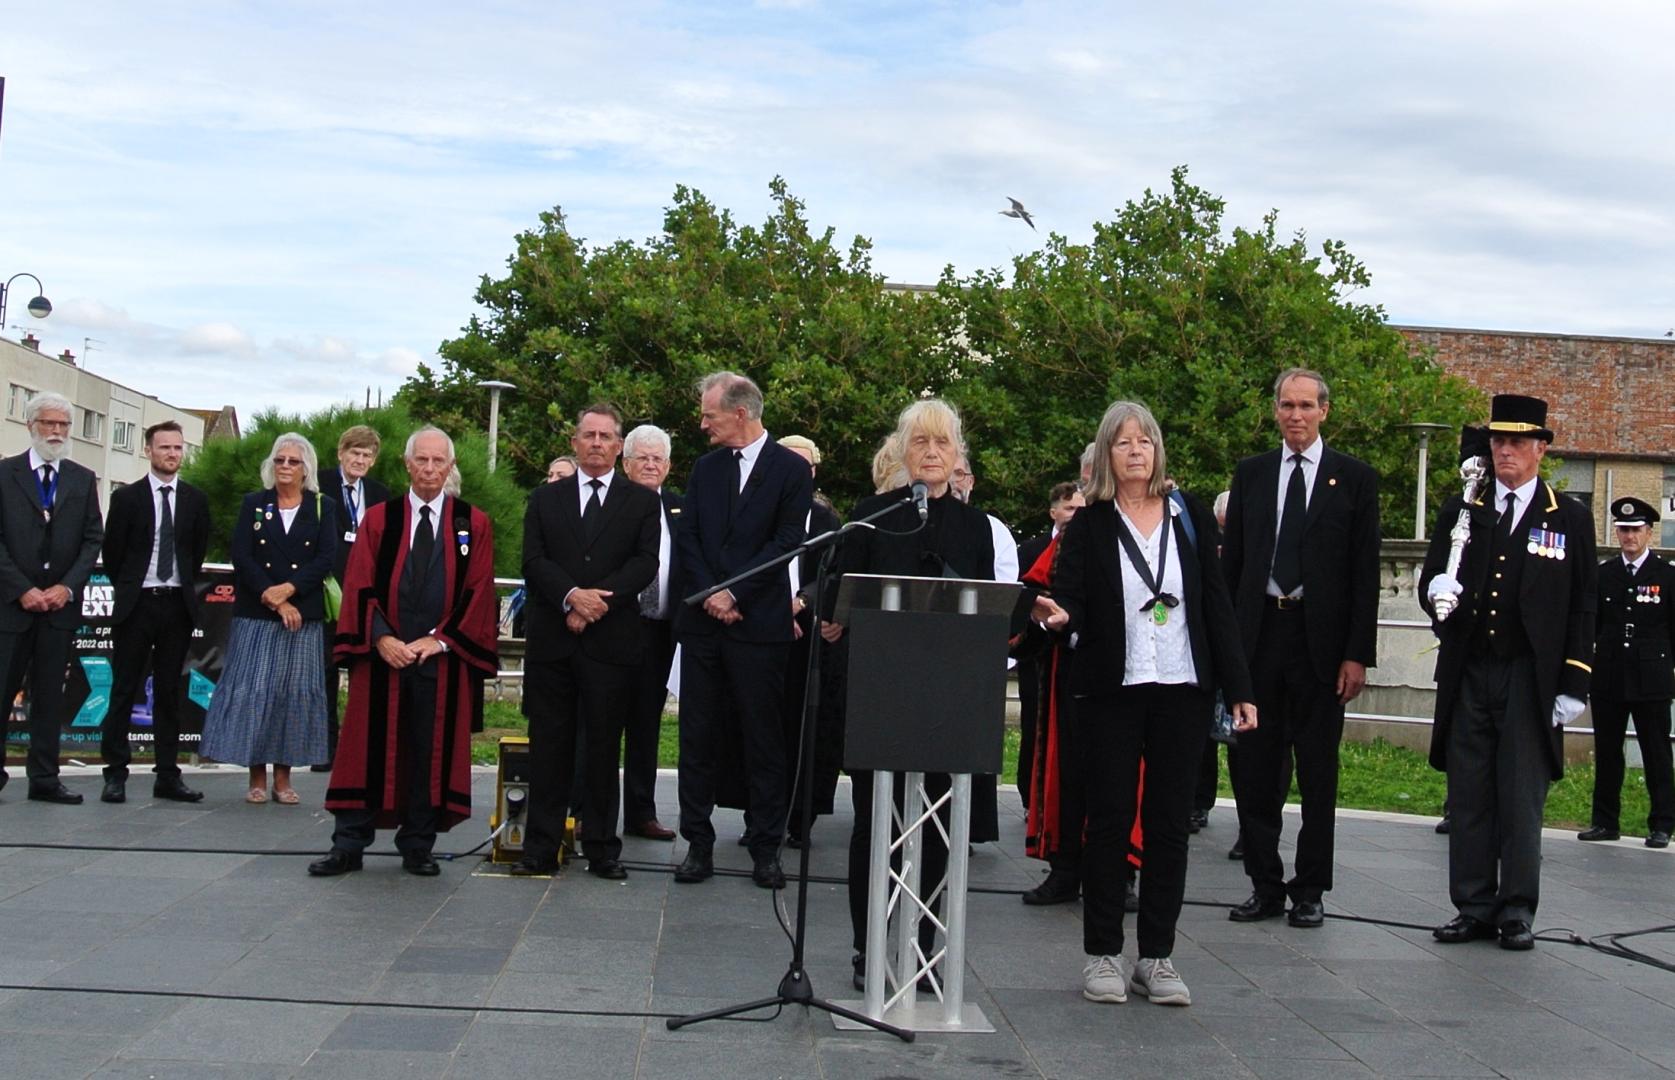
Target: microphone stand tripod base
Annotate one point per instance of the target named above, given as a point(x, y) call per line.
point(918, 1016)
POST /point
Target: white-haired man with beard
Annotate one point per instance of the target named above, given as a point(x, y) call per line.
point(50, 531)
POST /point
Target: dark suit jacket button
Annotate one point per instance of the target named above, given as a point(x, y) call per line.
point(587, 558)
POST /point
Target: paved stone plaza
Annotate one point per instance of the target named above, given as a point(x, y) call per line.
point(223, 935)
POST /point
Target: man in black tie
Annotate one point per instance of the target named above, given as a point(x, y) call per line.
point(356, 491)
point(646, 460)
point(1633, 676)
point(154, 549)
point(1516, 632)
point(589, 548)
point(746, 505)
point(1301, 557)
point(50, 531)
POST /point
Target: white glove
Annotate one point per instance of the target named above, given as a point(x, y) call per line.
point(1443, 584)
point(1566, 709)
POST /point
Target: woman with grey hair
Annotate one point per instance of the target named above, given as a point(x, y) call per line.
point(270, 705)
point(1139, 589)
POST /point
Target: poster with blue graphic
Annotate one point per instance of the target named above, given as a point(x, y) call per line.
point(87, 688)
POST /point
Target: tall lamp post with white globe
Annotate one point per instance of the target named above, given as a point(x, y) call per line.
point(494, 387)
point(39, 306)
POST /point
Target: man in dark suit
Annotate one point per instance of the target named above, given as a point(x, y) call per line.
point(1633, 676)
point(154, 547)
point(745, 505)
point(1301, 556)
point(355, 491)
point(589, 548)
point(646, 460)
point(1517, 645)
point(50, 531)
point(1062, 503)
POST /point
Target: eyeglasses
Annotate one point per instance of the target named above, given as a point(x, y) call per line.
point(293, 462)
point(53, 425)
point(649, 459)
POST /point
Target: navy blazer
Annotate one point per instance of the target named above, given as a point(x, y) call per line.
point(1087, 583)
point(331, 486)
point(767, 522)
point(72, 547)
point(264, 554)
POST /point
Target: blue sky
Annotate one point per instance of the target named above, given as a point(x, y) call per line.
point(259, 204)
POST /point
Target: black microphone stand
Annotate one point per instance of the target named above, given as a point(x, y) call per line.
point(795, 987)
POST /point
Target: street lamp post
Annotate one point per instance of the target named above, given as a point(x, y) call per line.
point(39, 305)
point(1425, 432)
point(494, 387)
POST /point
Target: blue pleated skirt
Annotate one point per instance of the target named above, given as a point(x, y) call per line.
point(270, 705)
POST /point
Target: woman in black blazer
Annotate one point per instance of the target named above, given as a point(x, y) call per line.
point(270, 705)
point(1139, 589)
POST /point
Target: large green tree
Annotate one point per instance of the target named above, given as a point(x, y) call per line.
point(1166, 307)
point(637, 324)
point(228, 468)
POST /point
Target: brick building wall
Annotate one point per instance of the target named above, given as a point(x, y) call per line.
point(1609, 404)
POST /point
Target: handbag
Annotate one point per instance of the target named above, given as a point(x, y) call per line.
point(331, 592)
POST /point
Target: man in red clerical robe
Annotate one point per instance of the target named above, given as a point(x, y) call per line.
point(418, 633)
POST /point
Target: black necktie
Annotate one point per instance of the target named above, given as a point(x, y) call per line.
point(590, 512)
point(349, 501)
point(1288, 548)
point(424, 540)
point(733, 488)
point(46, 487)
point(165, 538)
point(1504, 526)
point(1631, 569)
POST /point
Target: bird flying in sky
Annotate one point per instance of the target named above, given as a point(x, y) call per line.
point(1018, 212)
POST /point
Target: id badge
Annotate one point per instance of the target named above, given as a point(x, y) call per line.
point(349, 536)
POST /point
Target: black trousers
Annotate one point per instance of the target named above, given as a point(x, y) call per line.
point(933, 854)
point(1166, 726)
point(1301, 719)
point(1209, 772)
point(560, 697)
point(156, 635)
point(645, 721)
point(40, 653)
point(420, 817)
point(1497, 790)
point(1651, 730)
point(1073, 782)
point(716, 673)
point(1029, 706)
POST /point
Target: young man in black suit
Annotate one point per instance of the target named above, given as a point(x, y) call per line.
point(1301, 556)
point(589, 547)
point(50, 531)
point(1516, 633)
point(746, 505)
point(1633, 676)
point(350, 483)
point(155, 541)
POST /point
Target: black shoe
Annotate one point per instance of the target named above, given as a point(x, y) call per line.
point(1060, 887)
point(326, 767)
point(1463, 928)
point(174, 789)
point(1517, 936)
point(859, 963)
point(1306, 914)
point(535, 866)
point(1131, 895)
point(1200, 819)
point(114, 791)
point(3, 779)
point(1657, 838)
point(420, 864)
point(54, 791)
point(336, 862)
point(609, 869)
point(768, 873)
point(1256, 909)
point(1599, 832)
point(1237, 851)
point(744, 841)
point(794, 842)
point(697, 866)
point(1445, 825)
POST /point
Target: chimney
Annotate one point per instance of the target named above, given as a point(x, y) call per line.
point(68, 357)
point(30, 341)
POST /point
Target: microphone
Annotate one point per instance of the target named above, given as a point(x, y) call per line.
point(920, 491)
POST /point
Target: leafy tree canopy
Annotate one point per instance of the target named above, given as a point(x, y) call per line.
point(1163, 306)
point(227, 469)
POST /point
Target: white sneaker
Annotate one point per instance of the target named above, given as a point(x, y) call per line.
point(1106, 979)
point(1157, 980)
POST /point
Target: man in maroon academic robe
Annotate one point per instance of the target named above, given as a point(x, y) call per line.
point(418, 633)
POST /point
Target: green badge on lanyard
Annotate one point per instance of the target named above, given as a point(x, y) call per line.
point(1160, 613)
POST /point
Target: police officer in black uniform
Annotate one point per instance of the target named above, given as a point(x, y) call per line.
point(1633, 674)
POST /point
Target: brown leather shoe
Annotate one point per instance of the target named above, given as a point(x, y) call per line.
point(651, 829)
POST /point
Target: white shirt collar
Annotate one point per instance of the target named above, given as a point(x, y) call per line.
point(36, 461)
point(414, 502)
point(753, 450)
point(1524, 491)
point(583, 480)
point(1311, 453)
point(157, 484)
point(1635, 564)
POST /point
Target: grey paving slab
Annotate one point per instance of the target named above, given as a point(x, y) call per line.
point(592, 963)
point(140, 1069)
